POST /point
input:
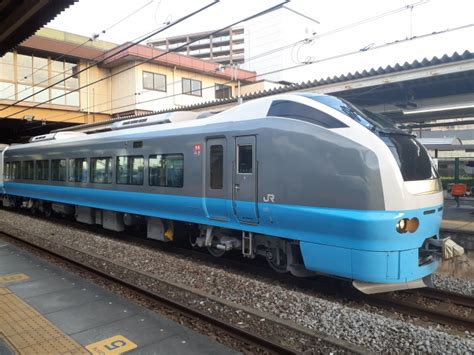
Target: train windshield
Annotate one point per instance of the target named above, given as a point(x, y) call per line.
point(365, 118)
point(412, 158)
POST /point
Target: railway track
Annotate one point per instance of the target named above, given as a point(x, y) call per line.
point(256, 341)
point(428, 304)
point(433, 305)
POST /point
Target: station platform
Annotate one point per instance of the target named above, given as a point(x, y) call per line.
point(46, 310)
point(459, 221)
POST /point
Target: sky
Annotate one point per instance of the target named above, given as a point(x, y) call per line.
point(88, 17)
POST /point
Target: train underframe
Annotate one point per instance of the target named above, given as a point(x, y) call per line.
point(282, 255)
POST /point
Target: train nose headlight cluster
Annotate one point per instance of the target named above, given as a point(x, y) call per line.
point(408, 225)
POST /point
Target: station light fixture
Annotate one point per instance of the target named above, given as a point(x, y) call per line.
point(437, 109)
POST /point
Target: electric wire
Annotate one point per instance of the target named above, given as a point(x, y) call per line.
point(316, 61)
point(114, 53)
point(293, 67)
point(271, 9)
point(306, 40)
point(340, 29)
point(91, 39)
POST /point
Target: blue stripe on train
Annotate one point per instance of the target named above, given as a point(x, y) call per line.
point(348, 243)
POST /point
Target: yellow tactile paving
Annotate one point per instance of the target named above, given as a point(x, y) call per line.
point(28, 332)
point(5, 279)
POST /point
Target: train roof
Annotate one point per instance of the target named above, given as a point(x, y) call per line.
point(254, 109)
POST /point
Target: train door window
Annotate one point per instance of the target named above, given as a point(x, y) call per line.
point(217, 167)
point(58, 170)
point(78, 170)
point(28, 172)
point(130, 170)
point(6, 171)
point(42, 170)
point(16, 170)
point(166, 170)
point(245, 159)
point(101, 170)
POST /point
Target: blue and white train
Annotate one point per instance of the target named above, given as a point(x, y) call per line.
point(307, 181)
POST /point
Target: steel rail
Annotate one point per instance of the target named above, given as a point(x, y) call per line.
point(437, 313)
point(232, 330)
point(380, 300)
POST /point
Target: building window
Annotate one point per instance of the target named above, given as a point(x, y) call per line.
point(78, 170)
point(16, 170)
point(154, 81)
point(130, 170)
point(245, 159)
point(28, 170)
point(223, 91)
point(25, 69)
point(42, 169)
point(217, 167)
point(192, 87)
point(58, 170)
point(166, 170)
point(101, 170)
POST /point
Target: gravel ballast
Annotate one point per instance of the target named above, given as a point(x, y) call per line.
point(358, 326)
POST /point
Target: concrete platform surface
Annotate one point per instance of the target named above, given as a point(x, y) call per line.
point(44, 309)
point(458, 221)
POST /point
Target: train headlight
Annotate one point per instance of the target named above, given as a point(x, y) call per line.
point(408, 225)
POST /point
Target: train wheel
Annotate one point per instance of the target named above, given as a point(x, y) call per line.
point(216, 252)
point(48, 212)
point(277, 260)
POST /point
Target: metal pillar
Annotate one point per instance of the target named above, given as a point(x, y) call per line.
point(456, 170)
point(456, 177)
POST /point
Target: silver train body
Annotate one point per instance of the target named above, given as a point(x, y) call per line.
point(308, 181)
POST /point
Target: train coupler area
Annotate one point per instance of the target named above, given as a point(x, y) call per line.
point(445, 247)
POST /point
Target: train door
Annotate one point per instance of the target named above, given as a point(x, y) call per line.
point(216, 179)
point(245, 180)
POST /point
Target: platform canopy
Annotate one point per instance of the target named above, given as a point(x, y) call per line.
point(19, 19)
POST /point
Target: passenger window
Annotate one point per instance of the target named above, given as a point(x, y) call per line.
point(101, 170)
point(130, 170)
point(166, 170)
point(58, 170)
point(245, 159)
point(28, 170)
point(16, 171)
point(217, 167)
point(6, 171)
point(42, 170)
point(78, 170)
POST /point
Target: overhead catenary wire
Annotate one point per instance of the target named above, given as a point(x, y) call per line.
point(309, 63)
point(306, 64)
point(337, 56)
point(314, 37)
point(91, 39)
point(325, 34)
point(341, 29)
point(268, 10)
point(114, 53)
